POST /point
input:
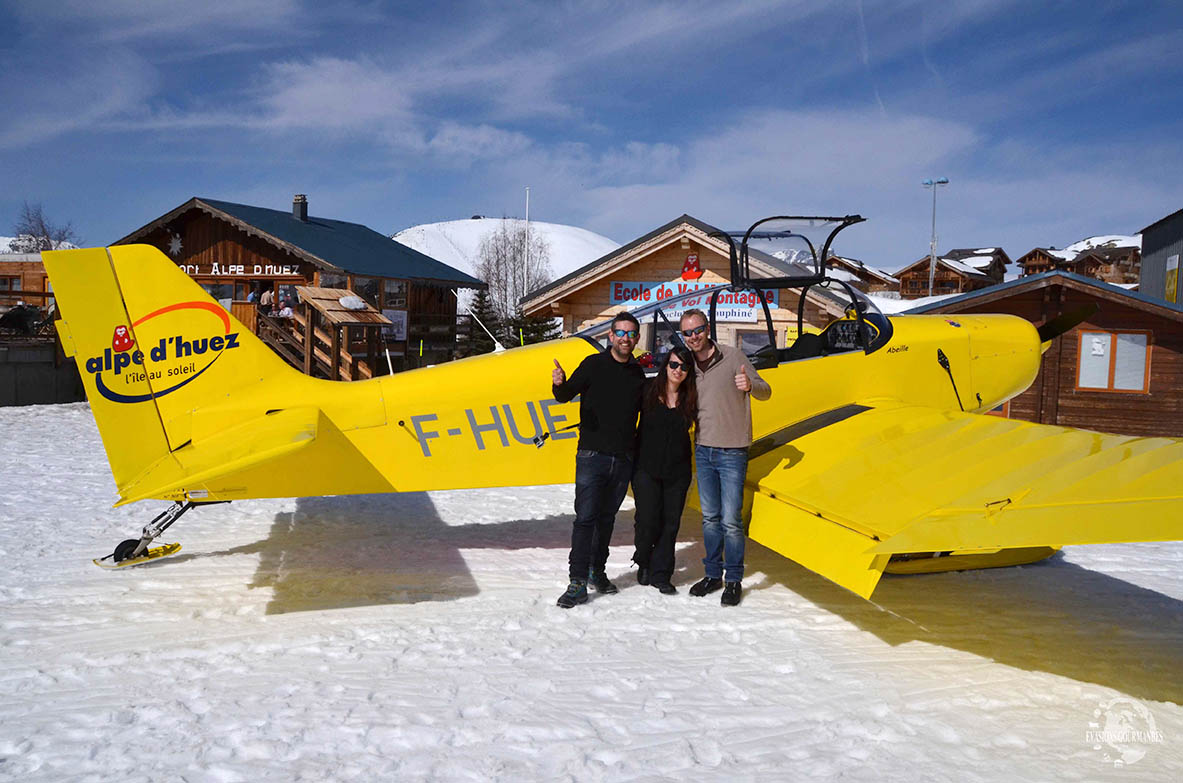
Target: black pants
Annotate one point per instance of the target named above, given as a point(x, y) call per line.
point(601, 482)
point(659, 513)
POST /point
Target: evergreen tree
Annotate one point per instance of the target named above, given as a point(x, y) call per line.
point(478, 341)
point(525, 330)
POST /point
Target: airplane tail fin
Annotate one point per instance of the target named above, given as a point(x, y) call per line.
point(151, 346)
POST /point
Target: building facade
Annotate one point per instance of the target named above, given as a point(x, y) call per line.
point(23, 279)
point(1111, 259)
point(957, 272)
point(1162, 246)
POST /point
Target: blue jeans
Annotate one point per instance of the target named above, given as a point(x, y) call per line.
point(601, 482)
point(721, 473)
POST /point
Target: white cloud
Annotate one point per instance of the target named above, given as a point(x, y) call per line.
point(332, 93)
point(76, 93)
point(457, 144)
point(126, 20)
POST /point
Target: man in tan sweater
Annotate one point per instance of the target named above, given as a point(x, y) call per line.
point(726, 382)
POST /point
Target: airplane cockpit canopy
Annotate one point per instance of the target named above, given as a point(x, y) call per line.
point(795, 247)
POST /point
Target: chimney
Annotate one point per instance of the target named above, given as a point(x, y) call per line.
point(300, 207)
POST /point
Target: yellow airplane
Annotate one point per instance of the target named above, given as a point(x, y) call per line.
point(870, 457)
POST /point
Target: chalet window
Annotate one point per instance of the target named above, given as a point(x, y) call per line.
point(1114, 361)
point(333, 280)
point(395, 293)
point(369, 288)
point(219, 291)
point(10, 284)
point(750, 341)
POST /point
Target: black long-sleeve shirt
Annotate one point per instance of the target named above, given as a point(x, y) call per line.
point(663, 442)
point(609, 399)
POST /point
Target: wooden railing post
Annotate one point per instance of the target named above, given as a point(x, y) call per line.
point(309, 347)
point(336, 353)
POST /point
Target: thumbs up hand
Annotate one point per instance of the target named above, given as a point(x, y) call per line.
point(557, 376)
point(742, 381)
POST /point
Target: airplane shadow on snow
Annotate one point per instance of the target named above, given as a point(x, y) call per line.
point(366, 550)
point(1053, 616)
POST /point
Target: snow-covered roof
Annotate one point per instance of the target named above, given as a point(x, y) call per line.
point(7, 248)
point(962, 266)
point(457, 242)
point(978, 262)
point(864, 267)
point(1104, 241)
point(975, 262)
point(842, 274)
point(893, 305)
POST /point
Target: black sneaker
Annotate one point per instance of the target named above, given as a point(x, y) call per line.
point(666, 588)
point(642, 575)
point(732, 592)
point(576, 594)
point(705, 586)
point(600, 584)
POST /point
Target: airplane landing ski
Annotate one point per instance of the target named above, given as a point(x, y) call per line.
point(155, 553)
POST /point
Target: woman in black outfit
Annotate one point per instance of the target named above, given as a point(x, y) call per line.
point(669, 407)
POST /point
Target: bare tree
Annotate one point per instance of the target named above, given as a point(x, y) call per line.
point(35, 232)
point(510, 272)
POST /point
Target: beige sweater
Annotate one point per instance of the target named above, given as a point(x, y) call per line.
point(724, 412)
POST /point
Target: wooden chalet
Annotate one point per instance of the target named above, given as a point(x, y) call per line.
point(1112, 259)
point(678, 257)
point(237, 252)
point(1120, 371)
point(957, 272)
point(866, 278)
point(33, 368)
point(23, 279)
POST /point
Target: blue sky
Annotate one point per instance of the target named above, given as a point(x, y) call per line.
point(1053, 121)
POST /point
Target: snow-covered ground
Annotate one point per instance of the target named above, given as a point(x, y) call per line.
point(457, 242)
point(415, 637)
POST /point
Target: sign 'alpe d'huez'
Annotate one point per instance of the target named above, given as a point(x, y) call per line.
point(741, 307)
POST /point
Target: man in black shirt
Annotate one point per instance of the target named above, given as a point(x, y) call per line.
point(609, 389)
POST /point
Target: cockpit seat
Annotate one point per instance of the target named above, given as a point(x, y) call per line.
point(768, 356)
point(806, 346)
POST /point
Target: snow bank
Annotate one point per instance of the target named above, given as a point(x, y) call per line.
point(415, 637)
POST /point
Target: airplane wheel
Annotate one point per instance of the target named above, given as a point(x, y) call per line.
point(125, 548)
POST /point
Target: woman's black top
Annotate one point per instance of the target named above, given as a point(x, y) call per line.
point(663, 449)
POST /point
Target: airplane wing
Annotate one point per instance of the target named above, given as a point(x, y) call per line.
point(843, 491)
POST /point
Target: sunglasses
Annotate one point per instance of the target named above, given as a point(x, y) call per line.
point(675, 365)
point(629, 333)
point(694, 331)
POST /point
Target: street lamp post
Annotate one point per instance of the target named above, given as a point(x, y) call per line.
point(932, 245)
point(526, 264)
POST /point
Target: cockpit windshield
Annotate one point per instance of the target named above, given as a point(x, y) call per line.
point(789, 253)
